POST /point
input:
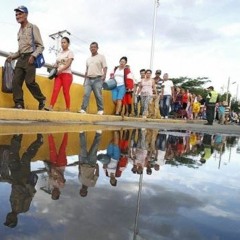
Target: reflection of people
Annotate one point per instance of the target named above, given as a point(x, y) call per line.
point(207, 143)
point(96, 69)
point(58, 162)
point(113, 151)
point(22, 179)
point(88, 167)
point(30, 45)
point(64, 74)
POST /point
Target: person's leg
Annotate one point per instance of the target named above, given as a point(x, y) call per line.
point(31, 83)
point(62, 158)
point(87, 92)
point(67, 81)
point(18, 79)
point(52, 149)
point(97, 90)
point(167, 104)
point(56, 89)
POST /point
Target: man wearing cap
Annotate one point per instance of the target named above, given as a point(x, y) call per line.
point(154, 109)
point(211, 100)
point(30, 45)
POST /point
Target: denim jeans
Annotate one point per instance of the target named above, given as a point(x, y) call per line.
point(94, 85)
point(165, 104)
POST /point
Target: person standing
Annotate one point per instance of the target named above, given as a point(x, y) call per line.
point(30, 45)
point(96, 70)
point(64, 74)
point(147, 88)
point(211, 100)
point(154, 107)
point(121, 75)
point(166, 95)
point(137, 97)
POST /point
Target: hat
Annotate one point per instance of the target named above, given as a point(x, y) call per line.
point(158, 72)
point(211, 87)
point(21, 9)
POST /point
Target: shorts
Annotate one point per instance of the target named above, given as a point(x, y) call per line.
point(118, 93)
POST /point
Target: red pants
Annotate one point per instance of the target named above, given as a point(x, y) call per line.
point(58, 159)
point(63, 80)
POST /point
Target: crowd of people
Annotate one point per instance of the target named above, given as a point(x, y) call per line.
point(149, 96)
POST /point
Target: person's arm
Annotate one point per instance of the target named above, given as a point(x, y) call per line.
point(104, 73)
point(66, 66)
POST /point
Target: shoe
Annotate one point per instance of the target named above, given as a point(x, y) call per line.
point(41, 105)
point(162, 117)
point(82, 111)
point(18, 106)
point(208, 124)
point(48, 108)
point(117, 114)
point(100, 112)
point(99, 131)
point(166, 117)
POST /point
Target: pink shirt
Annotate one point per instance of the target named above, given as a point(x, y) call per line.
point(147, 87)
point(62, 58)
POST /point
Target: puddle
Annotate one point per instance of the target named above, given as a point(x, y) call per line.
point(123, 184)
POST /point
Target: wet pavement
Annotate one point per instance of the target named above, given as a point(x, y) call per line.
point(138, 183)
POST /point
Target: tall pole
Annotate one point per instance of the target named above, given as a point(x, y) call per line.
point(156, 5)
point(227, 89)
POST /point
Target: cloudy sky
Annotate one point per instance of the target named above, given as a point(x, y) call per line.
point(193, 38)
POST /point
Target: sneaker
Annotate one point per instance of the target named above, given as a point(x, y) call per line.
point(100, 112)
point(166, 117)
point(162, 117)
point(99, 131)
point(82, 111)
point(48, 108)
point(41, 105)
point(18, 106)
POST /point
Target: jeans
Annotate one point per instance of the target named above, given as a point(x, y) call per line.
point(94, 85)
point(165, 104)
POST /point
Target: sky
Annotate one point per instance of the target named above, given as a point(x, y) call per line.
point(193, 38)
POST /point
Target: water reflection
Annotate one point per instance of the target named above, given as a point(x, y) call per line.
point(122, 184)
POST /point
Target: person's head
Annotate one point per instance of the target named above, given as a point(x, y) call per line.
point(123, 61)
point(211, 88)
point(55, 193)
point(142, 73)
point(65, 43)
point(148, 73)
point(113, 180)
point(165, 76)
point(94, 48)
point(11, 220)
point(134, 169)
point(139, 169)
point(158, 73)
point(21, 14)
point(156, 167)
point(83, 191)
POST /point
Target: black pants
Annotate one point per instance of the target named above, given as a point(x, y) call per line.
point(24, 71)
point(210, 112)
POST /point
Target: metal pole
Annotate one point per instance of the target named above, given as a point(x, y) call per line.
point(156, 5)
point(227, 90)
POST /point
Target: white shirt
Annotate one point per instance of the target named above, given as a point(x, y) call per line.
point(167, 90)
point(119, 76)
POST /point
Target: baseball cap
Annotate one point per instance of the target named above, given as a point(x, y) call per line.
point(21, 9)
point(158, 72)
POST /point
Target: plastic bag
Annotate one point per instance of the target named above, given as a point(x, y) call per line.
point(7, 76)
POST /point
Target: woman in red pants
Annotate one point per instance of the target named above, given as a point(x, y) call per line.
point(64, 75)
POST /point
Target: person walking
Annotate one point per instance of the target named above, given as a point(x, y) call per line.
point(64, 75)
point(166, 95)
point(96, 70)
point(30, 45)
point(211, 100)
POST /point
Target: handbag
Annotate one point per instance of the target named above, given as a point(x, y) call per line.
point(7, 76)
point(39, 60)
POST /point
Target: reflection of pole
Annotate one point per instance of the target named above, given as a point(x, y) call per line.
point(156, 5)
point(138, 208)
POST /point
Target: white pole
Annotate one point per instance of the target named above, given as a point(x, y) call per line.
point(156, 5)
point(227, 89)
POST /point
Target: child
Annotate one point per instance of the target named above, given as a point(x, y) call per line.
point(221, 113)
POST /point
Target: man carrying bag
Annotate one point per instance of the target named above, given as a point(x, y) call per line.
point(30, 47)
